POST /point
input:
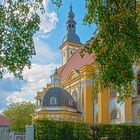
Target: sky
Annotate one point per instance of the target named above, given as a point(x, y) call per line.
point(48, 56)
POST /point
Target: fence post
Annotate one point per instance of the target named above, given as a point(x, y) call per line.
point(30, 132)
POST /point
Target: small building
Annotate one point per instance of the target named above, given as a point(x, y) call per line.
point(4, 128)
point(56, 103)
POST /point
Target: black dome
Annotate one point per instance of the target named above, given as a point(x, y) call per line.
point(63, 98)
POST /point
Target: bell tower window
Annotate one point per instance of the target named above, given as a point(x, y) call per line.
point(69, 26)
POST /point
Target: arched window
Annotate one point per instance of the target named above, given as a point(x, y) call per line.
point(39, 103)
point(69, 26)
point(97, 117)
point(138, 76)
point(75, 97)
point(138, 113)
point(72, 26)
point(53, 101)
point(112, 94)
point(115, 114)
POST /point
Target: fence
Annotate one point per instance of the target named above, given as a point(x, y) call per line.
point(30, 132)
point(4, 136)
point(17, 136)
point(4, 132)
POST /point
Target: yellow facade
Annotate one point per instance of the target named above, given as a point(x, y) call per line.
point(77, 80)
point(67, 49)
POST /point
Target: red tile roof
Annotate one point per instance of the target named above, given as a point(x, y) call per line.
point(75, 63)
point(4, 121)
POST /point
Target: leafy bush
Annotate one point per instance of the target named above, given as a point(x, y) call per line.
point(66, 130)
point(61, 130)
point(118, 132)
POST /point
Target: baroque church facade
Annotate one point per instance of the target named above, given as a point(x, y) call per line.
point(69, 95)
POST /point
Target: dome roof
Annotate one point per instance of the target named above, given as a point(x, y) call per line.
point(63, 98)
point(71, 37)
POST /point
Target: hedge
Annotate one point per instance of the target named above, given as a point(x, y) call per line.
point(66, 130)
point(116, 131)
point(61, 130)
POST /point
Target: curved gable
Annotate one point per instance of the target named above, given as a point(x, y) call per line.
point(75, 63)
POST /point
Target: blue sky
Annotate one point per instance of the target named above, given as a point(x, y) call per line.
point(47, 43)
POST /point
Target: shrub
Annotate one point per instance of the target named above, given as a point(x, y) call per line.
point(61, 130)
point(117, 131)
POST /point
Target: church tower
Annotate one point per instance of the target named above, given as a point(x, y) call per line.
point(71, 41)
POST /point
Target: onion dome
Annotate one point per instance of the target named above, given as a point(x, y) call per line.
point(57, 97)
point(71, 35)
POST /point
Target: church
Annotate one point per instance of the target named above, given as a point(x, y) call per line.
point(69, 95)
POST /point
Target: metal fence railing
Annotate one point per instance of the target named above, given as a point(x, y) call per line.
point(4, 136)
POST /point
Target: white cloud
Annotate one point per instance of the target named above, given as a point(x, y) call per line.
point(48, 21)
point(44, 53)
point(13, 98)
point(36, 78)
point(45, 3)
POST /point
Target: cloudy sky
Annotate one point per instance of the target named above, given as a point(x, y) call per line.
point(47, 42)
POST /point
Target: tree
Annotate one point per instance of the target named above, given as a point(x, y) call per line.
point(117, 43)
point(20, 115)
point(19, 21)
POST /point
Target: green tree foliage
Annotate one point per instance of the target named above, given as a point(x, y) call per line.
point(19, 21)
point(20, 115)
point(58, 3)
point(116, 42)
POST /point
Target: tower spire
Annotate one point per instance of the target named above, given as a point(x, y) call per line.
point(71, 5)
point(70, 37)
point(71, 24)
